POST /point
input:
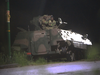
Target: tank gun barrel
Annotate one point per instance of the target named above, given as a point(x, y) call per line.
point(23, 30)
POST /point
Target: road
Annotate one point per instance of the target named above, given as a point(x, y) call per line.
point(67, 68)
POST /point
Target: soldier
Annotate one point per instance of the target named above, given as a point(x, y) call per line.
point(52, 23)
point(47, 22)
point(41, 18)
point(44, 21)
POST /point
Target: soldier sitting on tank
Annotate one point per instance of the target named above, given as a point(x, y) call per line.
point(51, 23)
point(47, 22)
point(44, 21)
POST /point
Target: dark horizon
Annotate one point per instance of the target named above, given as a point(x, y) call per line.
point(83, 16)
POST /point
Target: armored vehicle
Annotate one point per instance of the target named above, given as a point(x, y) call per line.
point(52, 42)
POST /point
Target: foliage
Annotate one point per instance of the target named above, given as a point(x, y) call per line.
point(96, 71)
point(2, 60)
point(17, 57)
point(20, 58)
point(93, 52)
point(40, 61)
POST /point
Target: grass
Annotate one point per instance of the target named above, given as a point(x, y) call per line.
point(17, 57)
point(21, 59)
point(2, 59)
point(92, 72)
point(40, 61)
point(96, 71)
point(93, 53)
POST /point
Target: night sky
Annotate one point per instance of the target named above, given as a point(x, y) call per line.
point(83, 16)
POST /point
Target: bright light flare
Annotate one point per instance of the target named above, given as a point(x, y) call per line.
point(72, 36)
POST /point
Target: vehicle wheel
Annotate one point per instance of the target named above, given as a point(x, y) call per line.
point(83, 54)
point(47, 58)
point(77, 54)
point(68, 56)
point(72, 56)
point(80, 54)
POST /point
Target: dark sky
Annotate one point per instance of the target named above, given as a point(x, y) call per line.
point(83, 16)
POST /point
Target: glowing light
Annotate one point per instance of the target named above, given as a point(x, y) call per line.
point(72, 36)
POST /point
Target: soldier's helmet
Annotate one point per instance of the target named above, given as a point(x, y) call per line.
point(45, 16)
point(51, 16)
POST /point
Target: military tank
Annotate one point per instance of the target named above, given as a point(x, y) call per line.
point(51, 43)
